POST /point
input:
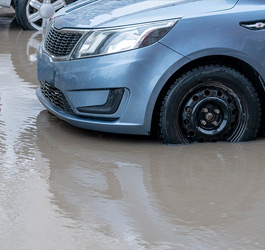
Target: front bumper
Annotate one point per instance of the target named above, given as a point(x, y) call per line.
point(138, 75)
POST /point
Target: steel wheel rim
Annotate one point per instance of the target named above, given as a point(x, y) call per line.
point(210, 113)
point(39, 12)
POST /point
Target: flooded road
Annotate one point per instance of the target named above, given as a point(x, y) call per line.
point(70, 189)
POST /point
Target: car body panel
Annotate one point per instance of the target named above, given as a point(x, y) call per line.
point(203, 43)
point(111, 13)
point(136, 70)
point(5, 3)
point(203, 30)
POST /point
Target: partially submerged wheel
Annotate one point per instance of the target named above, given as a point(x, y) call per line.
point(35, 14)
point(209, 104)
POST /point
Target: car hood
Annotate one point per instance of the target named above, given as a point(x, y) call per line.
point(111, 13)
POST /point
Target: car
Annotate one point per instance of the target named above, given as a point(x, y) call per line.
point(186, 71)
point(34, 14)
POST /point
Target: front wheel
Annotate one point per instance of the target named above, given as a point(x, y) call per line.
point(209, 104)
point(35, 14)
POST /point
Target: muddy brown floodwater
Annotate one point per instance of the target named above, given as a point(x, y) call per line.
point(65, 188)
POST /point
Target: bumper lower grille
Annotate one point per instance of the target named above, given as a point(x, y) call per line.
point(55, 97)
point(60, 44)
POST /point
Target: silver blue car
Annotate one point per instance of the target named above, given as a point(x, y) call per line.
point(187, 70)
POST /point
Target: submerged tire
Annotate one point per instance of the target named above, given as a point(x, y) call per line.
point(208, 104)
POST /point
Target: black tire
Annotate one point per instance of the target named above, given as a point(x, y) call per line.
point(21, 14)
point(208, 104)
point(20, 8)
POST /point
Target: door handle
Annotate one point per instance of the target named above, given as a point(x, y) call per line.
point(254, 25)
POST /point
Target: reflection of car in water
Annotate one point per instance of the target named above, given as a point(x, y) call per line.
point(23, 47)
point(34, 14)
point(191, 70)
point(130, 187)
point(24, 55)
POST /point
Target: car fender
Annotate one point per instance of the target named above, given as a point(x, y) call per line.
point(185, 60)
point(163, 80)
point(229, 53)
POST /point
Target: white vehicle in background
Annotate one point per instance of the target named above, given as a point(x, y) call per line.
point(34, 14)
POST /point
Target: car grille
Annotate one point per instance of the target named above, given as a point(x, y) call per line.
point(60, 43)
point(55, 97)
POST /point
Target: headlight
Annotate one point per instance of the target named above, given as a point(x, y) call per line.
point(108, 41)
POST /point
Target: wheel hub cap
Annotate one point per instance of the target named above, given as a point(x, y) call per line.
point(209, 117)
point(47, 11)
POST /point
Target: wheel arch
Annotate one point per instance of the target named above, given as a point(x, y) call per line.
point(241, 66)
